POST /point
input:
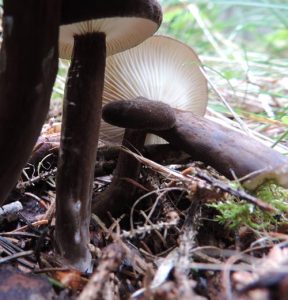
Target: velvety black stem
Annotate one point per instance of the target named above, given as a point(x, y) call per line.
point(78, 147)
point(28, 67)
point(118, 197)
point(228, 151)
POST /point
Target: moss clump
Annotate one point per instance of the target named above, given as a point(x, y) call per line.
point(235, 213)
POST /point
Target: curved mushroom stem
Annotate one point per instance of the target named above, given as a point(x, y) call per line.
point(229, 152)
point(79, 139)
point(28, 67)
point(118, 197)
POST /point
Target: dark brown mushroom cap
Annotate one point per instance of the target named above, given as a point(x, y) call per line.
point(76, 11)
point(126, 23)
point(140, 114)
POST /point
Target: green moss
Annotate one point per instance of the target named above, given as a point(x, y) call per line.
point(273, 194)
point(235, 213)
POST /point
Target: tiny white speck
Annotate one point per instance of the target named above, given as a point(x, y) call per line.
point(77, 237)
point(78, 205)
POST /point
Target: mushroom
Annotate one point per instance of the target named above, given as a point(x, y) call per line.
point(28, 64)
point(119, 195)
point(90, 31)
point(228, 151)
point(162, 69)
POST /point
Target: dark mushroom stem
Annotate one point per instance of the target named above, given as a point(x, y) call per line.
point(118, 197)
point(86, 26)
point(78, 147)
point(28, 63)
point(229, 152)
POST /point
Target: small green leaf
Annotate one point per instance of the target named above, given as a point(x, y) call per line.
point(284, 119)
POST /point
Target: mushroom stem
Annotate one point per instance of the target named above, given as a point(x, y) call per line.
point(118, 197)
point(28, 67)
point(228, 151)
point(78, 147)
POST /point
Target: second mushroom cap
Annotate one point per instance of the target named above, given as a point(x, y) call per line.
point(161, 69)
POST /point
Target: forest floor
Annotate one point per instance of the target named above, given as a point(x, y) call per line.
point(192, 234)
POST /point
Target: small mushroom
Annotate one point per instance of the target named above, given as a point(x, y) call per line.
point(28, 67)
point(162, 69)
point(91, 30)
point(118, 197)
point(228, 151)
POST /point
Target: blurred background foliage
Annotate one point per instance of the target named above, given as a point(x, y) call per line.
point(243, 46)
point(259, 26)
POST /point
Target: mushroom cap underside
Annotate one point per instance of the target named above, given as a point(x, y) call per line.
point(125, 23)
point(161, 69)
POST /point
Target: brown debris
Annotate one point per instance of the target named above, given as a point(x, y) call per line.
point(167, 246)
point(15, 285)
point(71, 279)
point(112, 257)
